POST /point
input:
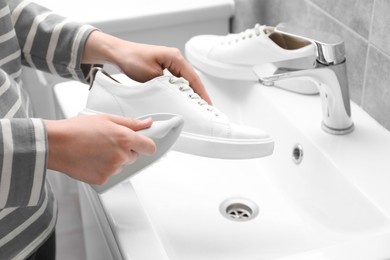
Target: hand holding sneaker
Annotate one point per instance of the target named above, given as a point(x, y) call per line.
point(93, 148)
point(141, 62)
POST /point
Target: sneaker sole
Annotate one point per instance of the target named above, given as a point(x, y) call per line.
point(216, 147)
point(223, 148)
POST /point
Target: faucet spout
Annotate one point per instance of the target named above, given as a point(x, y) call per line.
point(329, 74)
point(333, 88)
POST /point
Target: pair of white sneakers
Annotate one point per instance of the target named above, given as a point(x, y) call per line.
point(207, 131)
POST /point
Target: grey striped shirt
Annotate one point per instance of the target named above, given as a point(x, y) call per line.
point(33, 36)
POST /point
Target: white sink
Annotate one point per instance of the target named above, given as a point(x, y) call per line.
point(334, 204)
point(338, 195)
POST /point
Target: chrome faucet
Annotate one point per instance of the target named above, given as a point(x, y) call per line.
point(329, 72)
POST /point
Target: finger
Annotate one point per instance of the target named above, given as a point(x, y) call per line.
point(131, 123)
point(174, 61)
point(141, 144)
point(133, 156)
point(187, 71)
point(196, 84)
point(137, 142)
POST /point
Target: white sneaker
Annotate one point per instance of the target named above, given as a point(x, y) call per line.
point(234, 55)
point(206, 131)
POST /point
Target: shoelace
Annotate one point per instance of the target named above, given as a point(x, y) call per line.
point(183, 85)
point(258, 30)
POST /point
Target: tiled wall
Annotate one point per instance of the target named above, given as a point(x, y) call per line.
point(365, 27)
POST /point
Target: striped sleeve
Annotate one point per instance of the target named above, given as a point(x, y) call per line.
point(49, 42)
point(23, 159)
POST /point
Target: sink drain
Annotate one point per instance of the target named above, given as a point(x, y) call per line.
point(239, 209)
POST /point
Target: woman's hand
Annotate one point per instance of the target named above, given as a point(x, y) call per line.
point(92, 148)
point(141, 62)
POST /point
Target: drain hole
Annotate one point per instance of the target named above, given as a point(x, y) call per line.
point(239, 209)
point(297, 154)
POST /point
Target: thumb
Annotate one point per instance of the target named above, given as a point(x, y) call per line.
point(141, 144)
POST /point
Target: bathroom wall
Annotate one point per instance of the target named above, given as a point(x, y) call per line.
point(365, 27)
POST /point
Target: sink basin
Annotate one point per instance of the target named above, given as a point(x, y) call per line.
point(319, 196)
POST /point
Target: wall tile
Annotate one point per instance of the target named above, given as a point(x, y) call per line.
point(355, 46)
point(269, 12)
point(275, 11)
point(380, 35)
point(377, 89)
point(354, 14)
point(247, 13)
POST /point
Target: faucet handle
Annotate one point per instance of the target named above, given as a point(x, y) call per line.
point(330, 47)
